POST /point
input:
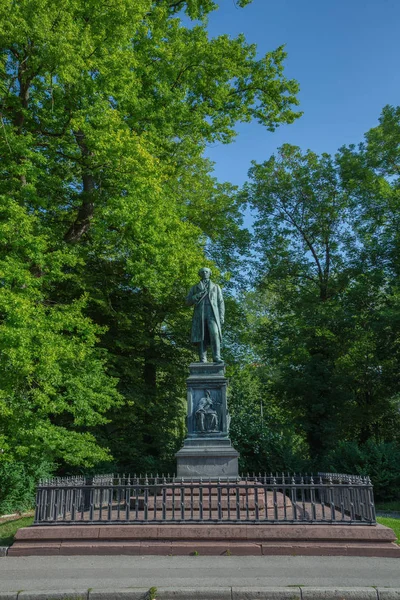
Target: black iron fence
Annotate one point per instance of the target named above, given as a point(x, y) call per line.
point(259, 499)
point(78, 490)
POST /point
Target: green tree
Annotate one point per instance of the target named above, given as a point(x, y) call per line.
point(324, 334)
point(105, 114)
point(54, 382)
point(301, 213)
point(370, 175)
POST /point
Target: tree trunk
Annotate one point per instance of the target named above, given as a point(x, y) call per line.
point(86, 211)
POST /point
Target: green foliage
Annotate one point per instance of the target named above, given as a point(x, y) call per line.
point(52, 380)
point(302, 213)
point(18, 484)
point(107, 209)
point(388, 506)
point(383, 143)
point(265, 449)
point(152, 593)
point(381, 461)
point(259, 430)
point(327, 318)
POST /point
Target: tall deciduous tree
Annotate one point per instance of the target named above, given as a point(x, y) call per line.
point(105, 113)
point(332, 359)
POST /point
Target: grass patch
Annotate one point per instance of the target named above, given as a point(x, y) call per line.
point(388, 506)
point(10, 528)
point(393, 524)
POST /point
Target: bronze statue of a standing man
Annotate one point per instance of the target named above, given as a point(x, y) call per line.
point(208, 316)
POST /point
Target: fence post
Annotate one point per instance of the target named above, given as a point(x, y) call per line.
point(87, 493)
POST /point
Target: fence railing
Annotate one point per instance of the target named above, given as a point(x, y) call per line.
point(75, 490)
point(258, 499)
point(342, 477)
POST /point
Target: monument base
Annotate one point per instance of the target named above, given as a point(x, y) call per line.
point(207, 458)
point(207, 450)
point(207, 539)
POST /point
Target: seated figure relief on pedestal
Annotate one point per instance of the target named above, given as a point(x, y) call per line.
point(207, 420)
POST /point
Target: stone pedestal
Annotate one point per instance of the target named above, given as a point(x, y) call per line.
point(207, 451)
point(207, 539)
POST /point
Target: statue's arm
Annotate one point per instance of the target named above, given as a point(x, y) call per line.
point(193, 297)
point(221, 306)
point(190, 298)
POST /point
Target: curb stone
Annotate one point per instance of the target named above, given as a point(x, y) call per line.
point(53, 595)
point(318, 593)
point(126, 594)
point(227, 593)
point(191, 594)
point(273, 593)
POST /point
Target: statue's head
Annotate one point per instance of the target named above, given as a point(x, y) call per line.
point(208, 393)
point(205, 273)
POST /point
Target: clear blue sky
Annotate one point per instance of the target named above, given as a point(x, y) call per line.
point(344, 53)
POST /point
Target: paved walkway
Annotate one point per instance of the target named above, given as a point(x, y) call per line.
point(119, 572)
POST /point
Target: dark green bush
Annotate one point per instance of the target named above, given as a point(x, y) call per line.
point(379, 460)
point(265, 450)
point(18, 482)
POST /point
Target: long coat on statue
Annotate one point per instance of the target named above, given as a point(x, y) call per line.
point(196, 297)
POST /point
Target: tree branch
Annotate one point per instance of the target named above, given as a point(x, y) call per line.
point(310, 247)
